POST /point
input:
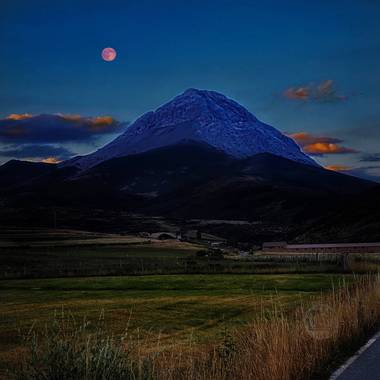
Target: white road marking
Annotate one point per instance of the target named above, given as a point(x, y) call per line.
point(353, 358)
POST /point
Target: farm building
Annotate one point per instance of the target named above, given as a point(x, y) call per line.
point(197, 235)
point(321, 248)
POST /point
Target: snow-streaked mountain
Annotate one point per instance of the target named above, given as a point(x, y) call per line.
point(201, 116)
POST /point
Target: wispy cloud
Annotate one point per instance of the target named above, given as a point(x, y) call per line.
point(37, 152)
point(297, 93)
point(370, 157)
point(322, 92)
point(320, 145)
point(371, 173)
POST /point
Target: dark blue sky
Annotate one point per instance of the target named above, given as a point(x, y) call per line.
point(302, 66)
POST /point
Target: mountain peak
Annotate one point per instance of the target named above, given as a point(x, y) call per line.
point(207, 105)
point(192, 90)
point(198, 92)
point(193, 93)
point(203, 116)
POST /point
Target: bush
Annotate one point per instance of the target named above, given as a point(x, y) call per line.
point(202, 253)
point(216, 254)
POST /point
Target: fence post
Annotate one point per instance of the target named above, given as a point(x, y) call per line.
point(345, 264)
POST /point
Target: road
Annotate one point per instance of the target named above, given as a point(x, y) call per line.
point(363, 366)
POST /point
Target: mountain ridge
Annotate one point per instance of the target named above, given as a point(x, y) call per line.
point(199, 115)
point(191, 180)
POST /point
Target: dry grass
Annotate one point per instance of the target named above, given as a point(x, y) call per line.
point(300, 345)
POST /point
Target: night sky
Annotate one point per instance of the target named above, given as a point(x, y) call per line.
point(309, 68)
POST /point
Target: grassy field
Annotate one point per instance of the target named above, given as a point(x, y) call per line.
point(156, 257)
point(94, 259)
point(178, 308)
point(65, 253)
point(161, 291)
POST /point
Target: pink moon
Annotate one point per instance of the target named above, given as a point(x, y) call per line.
point(109, 54)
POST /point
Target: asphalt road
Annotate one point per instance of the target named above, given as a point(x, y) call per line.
point(366, 366)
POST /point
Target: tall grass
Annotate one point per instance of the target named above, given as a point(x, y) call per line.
point(72, 350)
point(301, 345)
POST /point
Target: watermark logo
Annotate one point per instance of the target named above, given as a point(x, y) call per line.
point(319, 321)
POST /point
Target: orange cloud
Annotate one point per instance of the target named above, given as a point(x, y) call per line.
point(327, 148)
point(21, 116)
point(98, 122)
point(320, 145)
point(301, 93)
point(323, 92)
point(338, 168)
point(51, 160)
point(107, 120)
point(101, 122)
point(305, 138)
point(71, 117)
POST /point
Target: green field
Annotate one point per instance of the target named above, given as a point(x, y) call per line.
point(171, 257)
point(66, 253)
point(177, 307)
point(94, 259)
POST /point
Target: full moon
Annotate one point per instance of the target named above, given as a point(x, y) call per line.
point(108, 54)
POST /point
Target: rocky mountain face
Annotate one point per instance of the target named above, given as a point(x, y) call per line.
point(201, 116)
